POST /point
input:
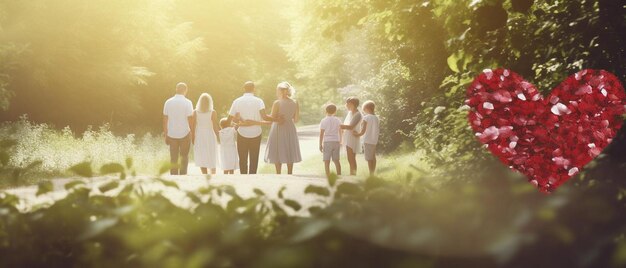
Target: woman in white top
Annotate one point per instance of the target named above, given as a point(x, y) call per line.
point(351, 123)
point(206, 134)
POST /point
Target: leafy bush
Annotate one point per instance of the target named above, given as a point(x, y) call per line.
point(56, 150)
point(125, 80)
point(398, 54)
point(495, 222)
point(393, 54)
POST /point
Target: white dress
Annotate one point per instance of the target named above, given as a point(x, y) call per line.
point(348, 139)
point(229, 158)
point(205, 145)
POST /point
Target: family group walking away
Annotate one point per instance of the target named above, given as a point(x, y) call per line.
point(234, 142)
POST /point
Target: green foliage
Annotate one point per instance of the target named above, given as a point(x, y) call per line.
point(45, 187)
point(168, 183)
point(112, 168)
point(428, 52)
point(391, 53)
point(73, 184)
point(80, 63)
point(9, 53)
point(83, 169)
point(56, 151)
point(292, 204)
point(543, 41)
point(494, 222)
point(108, 186)
point(14, 174)
point(332, 179)
point(321, 191)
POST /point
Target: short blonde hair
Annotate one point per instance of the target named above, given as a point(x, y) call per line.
point(285, 86)
point(370, 105)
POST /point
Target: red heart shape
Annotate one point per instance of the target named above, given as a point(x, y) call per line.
point(548, 140)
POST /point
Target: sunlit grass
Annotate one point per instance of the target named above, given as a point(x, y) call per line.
point(60, 149)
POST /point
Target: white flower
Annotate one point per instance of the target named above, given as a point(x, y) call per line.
point(488, 105)
point(560, 109)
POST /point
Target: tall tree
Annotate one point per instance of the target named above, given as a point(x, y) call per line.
point(87, 63)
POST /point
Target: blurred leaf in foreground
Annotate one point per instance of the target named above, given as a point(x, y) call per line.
point(111, 168)
point(44, 187)
point(108, 186)
point(83, 169)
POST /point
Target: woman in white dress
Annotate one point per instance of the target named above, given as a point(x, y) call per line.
point(351, 123)
point(205, 137)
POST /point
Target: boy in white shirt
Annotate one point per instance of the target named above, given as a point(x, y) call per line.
point(330, 142)
point(370, 131)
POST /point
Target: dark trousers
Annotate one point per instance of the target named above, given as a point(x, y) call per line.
point(248, 147)
point(179, 147)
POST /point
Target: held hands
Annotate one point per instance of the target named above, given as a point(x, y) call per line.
point(240, 124)
point(237, 121)
point(280, 120)
point(247, 123)
point(356, 133)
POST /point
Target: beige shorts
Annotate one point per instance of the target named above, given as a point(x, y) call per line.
point(331, 150)
point(369, 150)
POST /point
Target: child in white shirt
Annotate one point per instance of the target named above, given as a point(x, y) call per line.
point(330, 139)
point(370, 131)
point(229, 158)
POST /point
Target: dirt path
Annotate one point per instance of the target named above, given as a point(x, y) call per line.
point(309, 143)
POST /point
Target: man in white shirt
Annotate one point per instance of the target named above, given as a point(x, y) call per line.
point(177, 126)
point(248, 107)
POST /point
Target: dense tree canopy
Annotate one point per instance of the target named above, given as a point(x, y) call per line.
point(85, 63)
point(415, 56)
